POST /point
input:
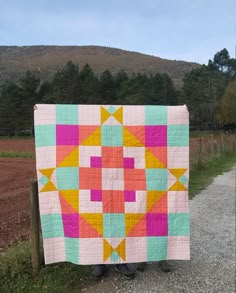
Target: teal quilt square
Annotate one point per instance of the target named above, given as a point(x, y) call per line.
point(156, 115)
point(52, 226)
point(112, 135)
point(178, 224)
point(157, 248)
point(67, 114)
point(113, 225)
point(178, 135)
point(45, 135)
point(156, 179)
point(72, 250)
point(67, 178)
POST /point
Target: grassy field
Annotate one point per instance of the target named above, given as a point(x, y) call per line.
point(15, 264)
point(17, 155)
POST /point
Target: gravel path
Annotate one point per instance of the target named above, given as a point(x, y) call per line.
point(212, 265)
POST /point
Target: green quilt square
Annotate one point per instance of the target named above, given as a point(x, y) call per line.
point(67, 178)
point(178, 224)
point(67, 114)
point(112, 135)
point(113, 225)
point(52, 226)
point(178, 135)
point(156, 115)
point(157, 248)
point(72, 250)
point(45, 135)
point(156, 179)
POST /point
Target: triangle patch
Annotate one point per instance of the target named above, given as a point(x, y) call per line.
point(178, 172)
point(140, 229)
point(152, 161)
point(153, 198)
point(95, 220)
point(160, 206)
point(94, 139)
point(85, 132)
point(104, 115)
point(48, 187)
point(129, 139)
point(86, 230)
point(47, 172)
point(160, 153)
point(66, 208)
point(131, 220)
point(119, 115)
point(177, 187)
point(72, 198)
point(72, 160)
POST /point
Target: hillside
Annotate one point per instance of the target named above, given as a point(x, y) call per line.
point(45, 60)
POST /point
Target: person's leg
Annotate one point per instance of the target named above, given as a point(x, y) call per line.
point(141, 266)
point(125, 271)
point(98, 272)
point(165, 267)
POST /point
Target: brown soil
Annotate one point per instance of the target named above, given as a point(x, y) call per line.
point(17, 145)
point(14, 199)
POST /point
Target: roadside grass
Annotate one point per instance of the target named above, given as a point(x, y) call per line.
point(17, 155)
point(16, 273)
point(201, 177)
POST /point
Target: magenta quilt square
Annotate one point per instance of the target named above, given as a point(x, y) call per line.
point(129, 163)
point(67, 135)
point(130, 196)
point(96, 162)
point(157, 224)
point(156, 135)
point(71, 225)
point(96, 195)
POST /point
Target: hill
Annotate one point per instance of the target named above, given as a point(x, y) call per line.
point(46, 60)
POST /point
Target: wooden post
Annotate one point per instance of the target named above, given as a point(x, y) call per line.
point(34, 206)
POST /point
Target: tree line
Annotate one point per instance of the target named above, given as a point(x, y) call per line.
point(208, 91)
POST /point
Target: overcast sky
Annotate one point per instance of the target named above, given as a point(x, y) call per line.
point(191, 30)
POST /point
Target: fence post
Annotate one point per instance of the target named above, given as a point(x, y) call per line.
point(34, 207)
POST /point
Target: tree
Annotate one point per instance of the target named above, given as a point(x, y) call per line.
point(66, 85)
point(28, 90)
point(10, 109)
point(226, 113)
point(107, 89)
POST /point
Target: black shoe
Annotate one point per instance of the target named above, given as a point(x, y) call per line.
point(164, 266)
point(125, 271)
point(141, 266)
point(98, 272)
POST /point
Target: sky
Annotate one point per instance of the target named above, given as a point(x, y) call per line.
point(190, 30)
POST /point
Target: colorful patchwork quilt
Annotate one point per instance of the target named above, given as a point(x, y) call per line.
point(113, 182)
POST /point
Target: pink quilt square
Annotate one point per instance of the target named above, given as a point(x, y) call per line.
point(156, 135)
point(67, 134)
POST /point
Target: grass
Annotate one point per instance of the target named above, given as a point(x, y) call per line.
point(16, 273)
point(200, 178)
point(17, 155)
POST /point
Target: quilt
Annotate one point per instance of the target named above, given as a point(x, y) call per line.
point(113, 182)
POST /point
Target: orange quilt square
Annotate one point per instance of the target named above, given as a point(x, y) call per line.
point(135, 179)
point(90, 178)
point(113, 201)
point(112, 157)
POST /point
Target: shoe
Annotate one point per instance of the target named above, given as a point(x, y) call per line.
point(125, 271)
point(141, 266)
point(98, 272)
point(164, 266)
